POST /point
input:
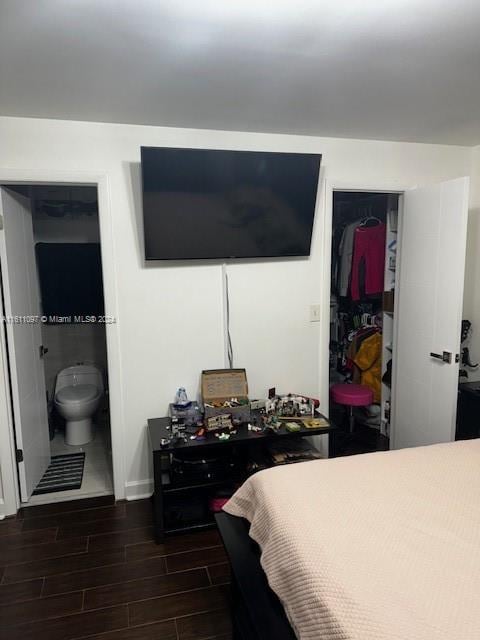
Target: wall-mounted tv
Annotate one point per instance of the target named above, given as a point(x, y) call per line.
point(207, 204)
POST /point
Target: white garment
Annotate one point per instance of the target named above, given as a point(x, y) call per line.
point(345, 251)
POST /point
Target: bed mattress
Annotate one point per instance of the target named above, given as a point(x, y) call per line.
point(372, 547)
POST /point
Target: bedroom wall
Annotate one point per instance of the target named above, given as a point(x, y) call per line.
point(84, 229)
point(170, 316)
point(471, 299)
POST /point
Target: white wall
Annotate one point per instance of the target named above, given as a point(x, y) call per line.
point(170, 317)
point(471, 298)
point(81, 229)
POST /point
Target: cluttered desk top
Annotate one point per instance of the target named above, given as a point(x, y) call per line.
point(159, 430)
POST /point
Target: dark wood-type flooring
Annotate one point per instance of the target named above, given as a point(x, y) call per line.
point(90, 569)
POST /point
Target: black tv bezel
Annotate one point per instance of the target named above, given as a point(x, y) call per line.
point(229, 257)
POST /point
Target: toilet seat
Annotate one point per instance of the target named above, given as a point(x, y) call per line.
point(77, 393)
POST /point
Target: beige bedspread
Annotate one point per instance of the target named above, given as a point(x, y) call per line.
point(377, 546)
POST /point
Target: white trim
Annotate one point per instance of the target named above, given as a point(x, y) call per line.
point(398, 296)
point(51, 498)
point(8, 465)
point(7, 454)
point(325, 294)
point(139, 489)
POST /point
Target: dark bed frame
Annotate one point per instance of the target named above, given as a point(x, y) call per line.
point(257, 613)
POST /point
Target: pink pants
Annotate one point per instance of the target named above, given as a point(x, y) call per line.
point(368, 245)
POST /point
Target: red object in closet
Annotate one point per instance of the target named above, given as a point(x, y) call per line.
point(369, 246)
point(351, 395)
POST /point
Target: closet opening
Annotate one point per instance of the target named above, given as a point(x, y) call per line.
point(362, 307)
point(53, 302)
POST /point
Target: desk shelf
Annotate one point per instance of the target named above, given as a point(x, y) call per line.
point(178, 487)
point(210, 524)
point(243, 446)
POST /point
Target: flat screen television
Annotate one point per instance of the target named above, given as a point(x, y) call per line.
point(207, 204)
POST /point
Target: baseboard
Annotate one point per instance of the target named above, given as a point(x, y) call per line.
point(2, 509)
point(138, 489)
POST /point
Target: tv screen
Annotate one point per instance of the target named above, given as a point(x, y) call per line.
point(200, 203)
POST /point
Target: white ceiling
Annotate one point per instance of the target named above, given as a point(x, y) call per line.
point(384, 69)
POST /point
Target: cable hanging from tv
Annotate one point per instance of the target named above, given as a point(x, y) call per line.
point(229, 337)
point(226, 319)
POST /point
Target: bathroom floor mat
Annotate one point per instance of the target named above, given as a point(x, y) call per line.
point(65, 472)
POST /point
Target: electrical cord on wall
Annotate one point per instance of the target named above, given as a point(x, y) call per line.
point(229, 337)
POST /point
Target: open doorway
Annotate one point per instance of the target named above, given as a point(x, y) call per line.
point(56, 336)
point(364, 250)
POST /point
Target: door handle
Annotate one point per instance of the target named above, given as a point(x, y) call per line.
point(446, 356)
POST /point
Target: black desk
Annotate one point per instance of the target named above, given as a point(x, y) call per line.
point(165, 486)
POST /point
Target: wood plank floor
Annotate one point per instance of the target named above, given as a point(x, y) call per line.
point(90, 569)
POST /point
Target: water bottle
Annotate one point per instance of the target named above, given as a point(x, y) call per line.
point(181, 397)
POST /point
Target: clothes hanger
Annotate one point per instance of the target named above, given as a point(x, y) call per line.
point(368, 219)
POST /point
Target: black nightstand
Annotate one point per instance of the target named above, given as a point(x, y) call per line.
point(241, 447)
point(468, 411)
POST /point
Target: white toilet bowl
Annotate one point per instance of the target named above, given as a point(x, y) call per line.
point(78, 391)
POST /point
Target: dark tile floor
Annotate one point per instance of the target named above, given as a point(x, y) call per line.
point(90, 569)
point(363, 440)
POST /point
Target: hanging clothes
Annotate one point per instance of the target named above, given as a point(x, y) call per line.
point(369, 247)
point(357, 339)
point(369, 361)
point(345, 252)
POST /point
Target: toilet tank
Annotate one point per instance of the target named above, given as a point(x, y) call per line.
point(79, 374)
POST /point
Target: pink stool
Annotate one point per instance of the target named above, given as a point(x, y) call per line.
point(351, 395)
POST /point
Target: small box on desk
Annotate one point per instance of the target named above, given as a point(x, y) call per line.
point(220, 386)
point(187, 416)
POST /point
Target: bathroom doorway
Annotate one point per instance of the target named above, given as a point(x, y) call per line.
point(56, 341)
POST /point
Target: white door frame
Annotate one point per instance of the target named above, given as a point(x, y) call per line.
point(331, 185)
point(8, 466)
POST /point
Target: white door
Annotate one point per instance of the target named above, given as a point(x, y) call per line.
point(21, 301)
point(428, 313)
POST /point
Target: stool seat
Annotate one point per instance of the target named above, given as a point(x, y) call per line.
point(353, 395)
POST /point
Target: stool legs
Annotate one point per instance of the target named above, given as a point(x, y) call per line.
point(351, 420)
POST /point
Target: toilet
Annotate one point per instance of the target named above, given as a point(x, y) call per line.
point(78, 391)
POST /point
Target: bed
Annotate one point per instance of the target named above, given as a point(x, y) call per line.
point(371, 547)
